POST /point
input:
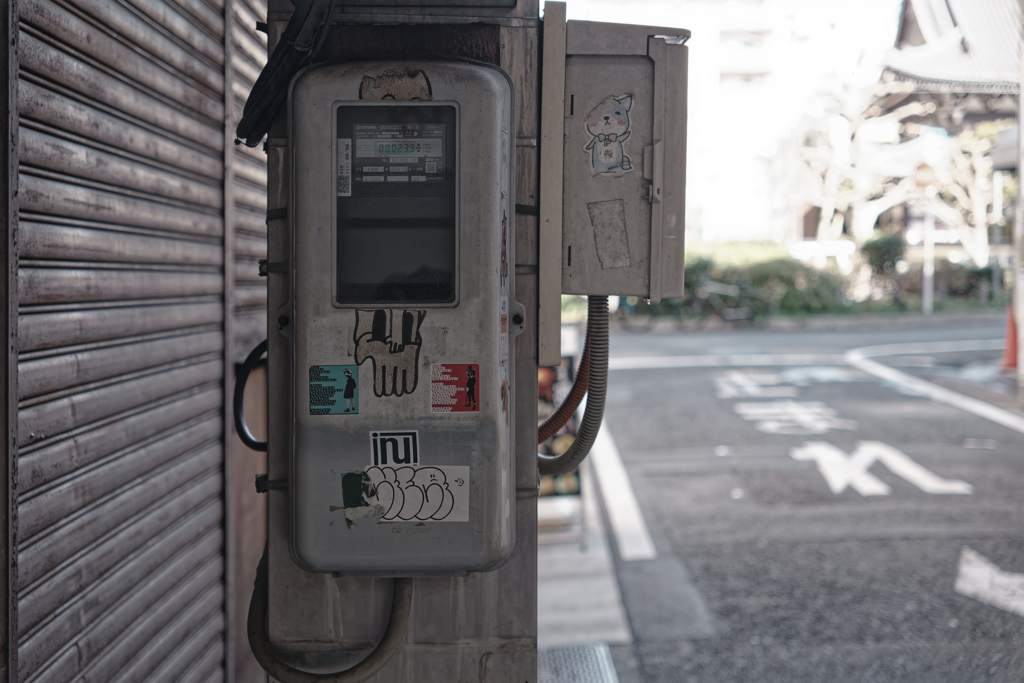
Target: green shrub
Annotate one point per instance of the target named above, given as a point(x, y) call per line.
point(883, 253)
point(790, 286)
point(782, 285)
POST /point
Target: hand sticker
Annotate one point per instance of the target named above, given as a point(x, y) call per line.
point(391, 340)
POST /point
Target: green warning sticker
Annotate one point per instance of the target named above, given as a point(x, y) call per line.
point(333, 389)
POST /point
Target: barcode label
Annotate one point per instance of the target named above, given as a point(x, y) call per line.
point(344, 167)
point(431, 167)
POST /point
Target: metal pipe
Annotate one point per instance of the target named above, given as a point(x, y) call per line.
point(928, 284)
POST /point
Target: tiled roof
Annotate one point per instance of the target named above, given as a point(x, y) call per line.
point(971, 46)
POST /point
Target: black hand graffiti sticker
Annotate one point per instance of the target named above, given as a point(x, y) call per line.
point(391, 340)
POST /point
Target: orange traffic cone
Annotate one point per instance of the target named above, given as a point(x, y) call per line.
point(1010, 349)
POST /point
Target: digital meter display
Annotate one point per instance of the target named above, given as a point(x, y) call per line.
point(394, 153)
point(389, 148)
point(396, 198)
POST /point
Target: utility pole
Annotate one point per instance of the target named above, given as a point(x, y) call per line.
point(408, 183)
point(482, 626)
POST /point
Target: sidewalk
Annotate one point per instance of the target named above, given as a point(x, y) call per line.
point(579, 605)
point(578, 599)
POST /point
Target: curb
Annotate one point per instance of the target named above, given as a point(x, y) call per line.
point(882, 321)
point(826, 323)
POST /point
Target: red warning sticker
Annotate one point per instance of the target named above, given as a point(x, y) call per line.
point(454, 388)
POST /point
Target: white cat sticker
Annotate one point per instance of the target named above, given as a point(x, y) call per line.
point(608, 126)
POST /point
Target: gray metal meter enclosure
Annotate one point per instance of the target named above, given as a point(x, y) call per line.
point(624, 160)
point(401, 317)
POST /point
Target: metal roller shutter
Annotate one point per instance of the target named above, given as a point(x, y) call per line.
point(249, 186)
point(125, 273)
point(246, 178)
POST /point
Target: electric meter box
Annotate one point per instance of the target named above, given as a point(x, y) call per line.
point(624, 160)
point(401, 305)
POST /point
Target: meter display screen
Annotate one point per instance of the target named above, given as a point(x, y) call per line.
point(396, 153)
point(396, 204)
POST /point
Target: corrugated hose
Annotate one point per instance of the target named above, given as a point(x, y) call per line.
point(596, 385)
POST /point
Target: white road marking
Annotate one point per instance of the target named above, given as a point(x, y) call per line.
point(980, 579)
point(627, 521)
point(793, 417)
point(859, 358)
point(841, 470)
point(738, 384)
point(723, 361)
point(813, 374)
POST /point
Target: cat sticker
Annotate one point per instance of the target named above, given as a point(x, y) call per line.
point(608, 126)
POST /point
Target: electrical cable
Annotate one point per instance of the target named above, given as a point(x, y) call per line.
point(597, 386)
point(238, 405)
point(256, 626)
point(301, 41)
point(558, 419)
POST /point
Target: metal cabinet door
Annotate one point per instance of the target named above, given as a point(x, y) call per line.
point(624, 160)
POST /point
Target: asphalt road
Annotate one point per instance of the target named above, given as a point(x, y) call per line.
point(813, 522)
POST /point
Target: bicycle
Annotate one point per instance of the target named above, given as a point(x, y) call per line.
point(732, 303)
point(635, 315)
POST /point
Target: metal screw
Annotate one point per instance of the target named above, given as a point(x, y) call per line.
point(518, 318)
point(283, 321)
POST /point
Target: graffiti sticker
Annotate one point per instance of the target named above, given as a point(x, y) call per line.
point(503, 274)
point(391, 340)
point(608, 126)
point(506, 392)
point(333, 389)
point(453, 388)
point(503, 328)
point(394, 448)
point(438, 494)
point(355, 489)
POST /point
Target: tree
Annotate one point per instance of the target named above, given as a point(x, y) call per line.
point(856, 161)
point(964, 197)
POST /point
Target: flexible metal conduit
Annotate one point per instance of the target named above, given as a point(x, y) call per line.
point(401, 606)
point(558, 419)
point(597, 385)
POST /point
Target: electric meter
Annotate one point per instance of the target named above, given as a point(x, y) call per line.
point(401, 318)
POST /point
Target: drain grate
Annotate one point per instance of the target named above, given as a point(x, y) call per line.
point(591, 663)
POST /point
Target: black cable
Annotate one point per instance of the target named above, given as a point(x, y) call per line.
point(241, 377)
point(259, 642)
point(299, 44)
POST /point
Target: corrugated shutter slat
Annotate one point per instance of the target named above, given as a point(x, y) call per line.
point(135, 233)
point(46, 330)
point(62, 68)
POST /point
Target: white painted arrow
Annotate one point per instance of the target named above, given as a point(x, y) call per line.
point(841, 470)
point(978, 578)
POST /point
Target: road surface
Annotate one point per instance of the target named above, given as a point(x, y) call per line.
point(808, 520)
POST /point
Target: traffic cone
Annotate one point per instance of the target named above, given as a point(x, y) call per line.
point(1010, 349)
